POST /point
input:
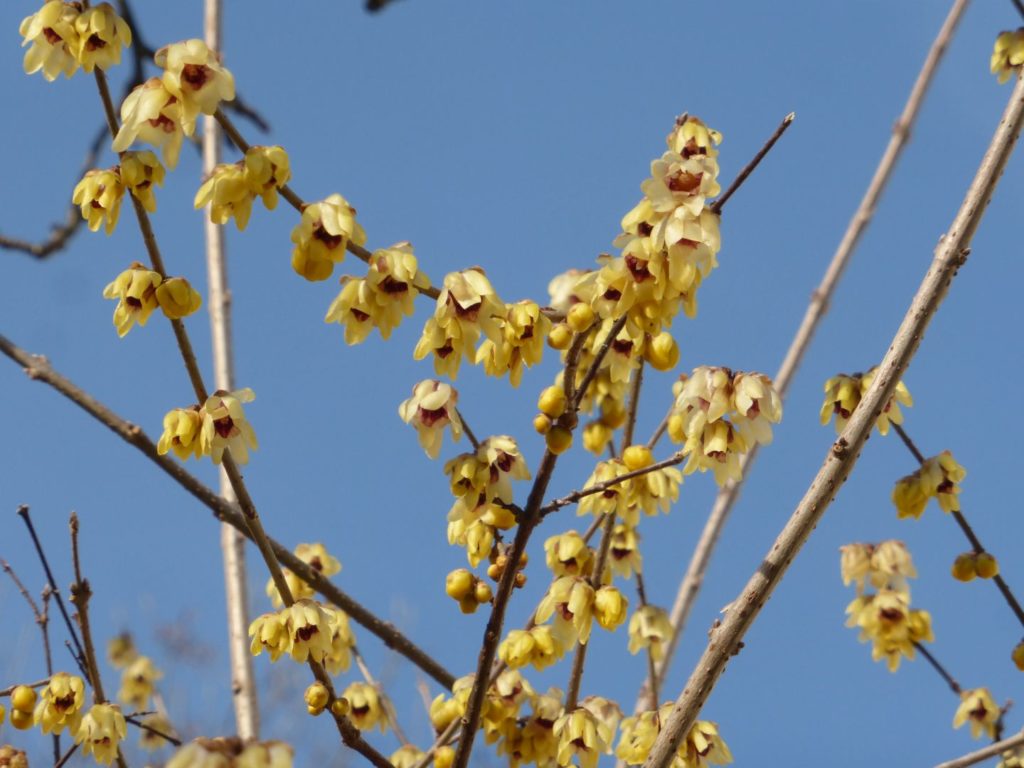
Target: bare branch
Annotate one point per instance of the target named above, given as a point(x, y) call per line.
point(719, 204)
point(973, 758)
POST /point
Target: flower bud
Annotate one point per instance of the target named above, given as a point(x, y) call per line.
point(541, 423)
point(580, 317)
point(558, 439)
point(552, 402)
point(965, 567)
point(637, 457)
point(662, 352)
point(316, 698)
point(459, 583)
point(560, 337)
point(986, 565)
point(23, 698)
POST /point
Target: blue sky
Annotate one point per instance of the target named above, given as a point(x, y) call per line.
point(515, 136)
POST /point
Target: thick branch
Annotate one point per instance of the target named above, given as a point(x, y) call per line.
point(973, 758)
point(839, 462)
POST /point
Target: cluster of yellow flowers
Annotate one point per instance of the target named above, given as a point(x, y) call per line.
point(719, 415)
point(844, 392)
point(58, 707)
point(938, 478)
point(208, 430)
point(232, 753)
point(231, 188)
point(64, 36)
point(884, 617)
point(318, 558)
point(139, 290)
point(382, 298)
point(100, 192)
point(1008, 54)
point(702, 746)
point(305, 630)
point(163, 110)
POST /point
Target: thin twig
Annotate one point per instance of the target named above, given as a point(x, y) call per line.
point(141, 725)
point(38, 368)
point(469, 432)
point(1019, 6)
point(67, 756)
point(652, 671)
point(943, 672)
point(689, 586)
point(973, 758)
point(719, 204)
point(572, 498)
point(968, 531)
point(951, 254)
point(10, 689)
point(662, 426)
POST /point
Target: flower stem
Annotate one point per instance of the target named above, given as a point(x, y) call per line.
point(748, 169)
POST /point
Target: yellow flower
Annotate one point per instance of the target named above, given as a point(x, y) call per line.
point(523, 331)
point(51, 33)
point(1007, 54)
point(537, 646)
point(624, 551)
point(614, 498)
point(311, 629)
point(101, 730)
point(466, 306)
point(582, 736)
point(322, 235)
point(228, 193)
point(610, 608)
point(99, 195)
point(343, 640)
point(121, 650)
point(692, 137)
point(139, 172)
point(570, 600)
point(430, 409)
point(151, 114)
point(568, 555)
point(681, 181)
point(181, 433)
point(135, 290)
point(11, 757)
point(885, 619)
point(477, 537)
point(269, 632)
point(649, 627)
point(177, 298)
point(844, 392)
point(406, 756)
point(979, 709)
point(266, 754)
point(382, 298)
point(193, 74)
point(60, 704)
point(318, 558)
point(101, 36)
point(225, 426)
point(149, 736)
point(366, 710)
point(138, 683)
point(267, 169)
point(938, 478)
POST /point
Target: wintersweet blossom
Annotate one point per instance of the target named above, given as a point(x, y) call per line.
point(322, 235)
point(228, 193)
point(886, 565)
point(194, 75)
point(978, 708)
point(523, 331)
point(624, 552)
point(138, 682)
point(938, 478)
point(101, 36)
point(366, 710)
point(582, 736)
point(267, 169)
point(537, 646)
point(1007, 54)
point(232, 753)
point(430, 409)
point(570, 600)
point(702, 746)
point(54, 41)
point(182, 427)
point(135, 291)
point(140, 170)
point(99, 195)
point(311, 628)
point(100, 732)
point(844, 392)
point(649, 627)
point(154, 725)
point(567, 554)
point(152, 114)
point(60, 704)
point(406, 756)
point(886, 619)
point(225, 426)
point(610, 608)
point(177, 298)
point(318, 558)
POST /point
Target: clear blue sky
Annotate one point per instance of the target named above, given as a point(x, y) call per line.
point(515, 136)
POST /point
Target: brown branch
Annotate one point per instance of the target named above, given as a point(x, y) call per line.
point(719, 204)
point(950, 255)
point(943, 672)
point(634, 404)
point(968, 531)
point(67, 756)
point(134, 720)
point(1019, 6)
point(38, 368)
point(469, 432)
point(385, 700)
point(691, 582)
point(973, 758)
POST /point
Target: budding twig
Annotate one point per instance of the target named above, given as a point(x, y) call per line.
point(943, 672)
point(572, 498)
point(690, 585)
point(719, 204)
point(839, 461)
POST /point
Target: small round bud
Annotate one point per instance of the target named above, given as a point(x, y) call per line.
point(986, 565)
point(558, 439)
point(581, 317)
point(595, 437)
point(468, 604)
point(459, 583)
point(560, 337)
point(3, 713)
point(523, 560)
point(340, 707)
point(494, 571)
point(637, 457)
point(613, 413)
point(1017, 656)
point(965, 567)
point(520, 579)
point(662, 352)
point(21, 720)
point(482, 592)
point(552, 401)
point(444, 757)
point(316, 698)
point(541, 423)
point(23, 699)
point(675, 428)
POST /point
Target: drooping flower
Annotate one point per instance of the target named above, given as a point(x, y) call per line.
point(430, 409)
point(1007, 54)
point(99, 195)
point(267, 169)
point(366, 710)
point(269, 632)
point(610, 608)
point(649, 627)
point(101, 36)
point(311, 629)
point(135, 291)
point(100, 732)
point(843, 394)
point(229, 194)
point(193, 73)
point(60, 704)
point(886, 619)
point(318, 558)
point(154, 725)
point(226, 427)
point(567, 554)
point(138, 682)
point(624, 552)
point(322, 235)
point(182, 427)
point(140, 170)
point(152, 114)
point(937, 478)
point(570, 600)
point(53, 38)
point(978, 708)
point(582, 736)
point(177, 298)
point(523, 331)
